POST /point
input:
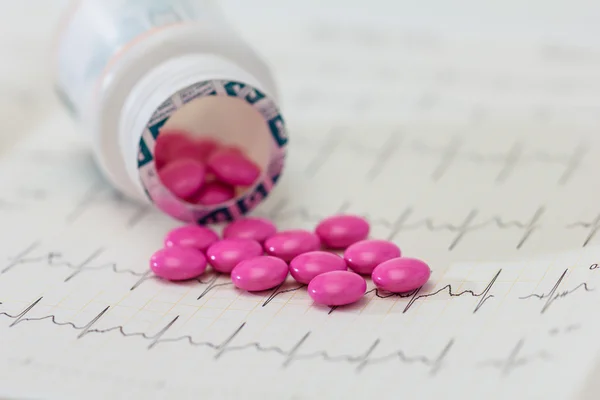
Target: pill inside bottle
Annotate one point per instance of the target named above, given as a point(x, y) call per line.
point(181, 112)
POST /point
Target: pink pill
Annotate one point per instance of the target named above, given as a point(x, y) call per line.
point(178, 263)
point(362, 257)
point(168, 145)
point(213, 193)
point(289, 244)
point(341, 231)
point(195, 236)
point(400, 275)
point(226, 254)
point(337, 288)
point(198, 150)
point(183, 177)
point(258, 229)
point(259, 273)
point(233, 168)
point(309, 265)
point(204, 148)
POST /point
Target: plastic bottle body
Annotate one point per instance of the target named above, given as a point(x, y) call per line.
point(128, 68)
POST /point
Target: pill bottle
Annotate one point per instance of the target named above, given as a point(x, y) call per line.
point(131, 70)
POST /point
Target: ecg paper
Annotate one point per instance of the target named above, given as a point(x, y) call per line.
point(479, 159)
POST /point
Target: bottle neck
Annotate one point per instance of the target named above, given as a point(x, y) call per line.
point(160, 93)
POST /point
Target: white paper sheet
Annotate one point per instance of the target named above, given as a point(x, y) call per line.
point(479, 158)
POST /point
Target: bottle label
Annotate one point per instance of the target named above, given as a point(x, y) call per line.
point(227, 212)
point(95, 31)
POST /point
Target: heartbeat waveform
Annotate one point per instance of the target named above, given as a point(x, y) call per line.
point(213, 282)
point(447, 154)
point(593, 226)
point(421, 148)
point(361, 361)
point(212, 285)
point(281, 289)
point(479, 157)
point(554, 294)
point(470, 224)
point(514, 360)
point(484, 295)
point(56, 260)
point(414, 295)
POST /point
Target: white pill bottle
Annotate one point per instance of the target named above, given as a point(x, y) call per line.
point(129, 69)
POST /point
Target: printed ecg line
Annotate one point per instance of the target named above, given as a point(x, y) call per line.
point(554, 294)
point(515, 360)
point(56, 260)
point(472, 222)
point(293, 354)
point(360, 361)
point(447, 155)
point(415, 295)
point(213, 281)
point(408, 220)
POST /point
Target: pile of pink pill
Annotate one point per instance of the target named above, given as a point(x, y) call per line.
point(201, 170)
point(258, 257)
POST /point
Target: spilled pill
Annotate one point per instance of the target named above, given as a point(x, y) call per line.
point(259, 229)
point(289, 244)
point(337, 288)
point(195, 236)
point(259, 273)
point(400, 275)
point(341, 231)
point(178, 263)
point(362, 257)
point(307, 266)
point(225, 254)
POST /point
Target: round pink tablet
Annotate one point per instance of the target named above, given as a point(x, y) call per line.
point(309, 265)
point(224, 255)
point(400, 275)
point(204, 148)
point(337, 288)
point(259, 273)
point(168, 145)
point(195, 236)
point(213, 193)
point(233, 167)
point(258, 229)
point(289, 244)
point(198, 150)
point(362, 257)
point(183, 177)
point(178, 263)
point(341, 231)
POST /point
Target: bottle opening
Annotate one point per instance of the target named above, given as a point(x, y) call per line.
point(213, 156)
point(212, 150)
